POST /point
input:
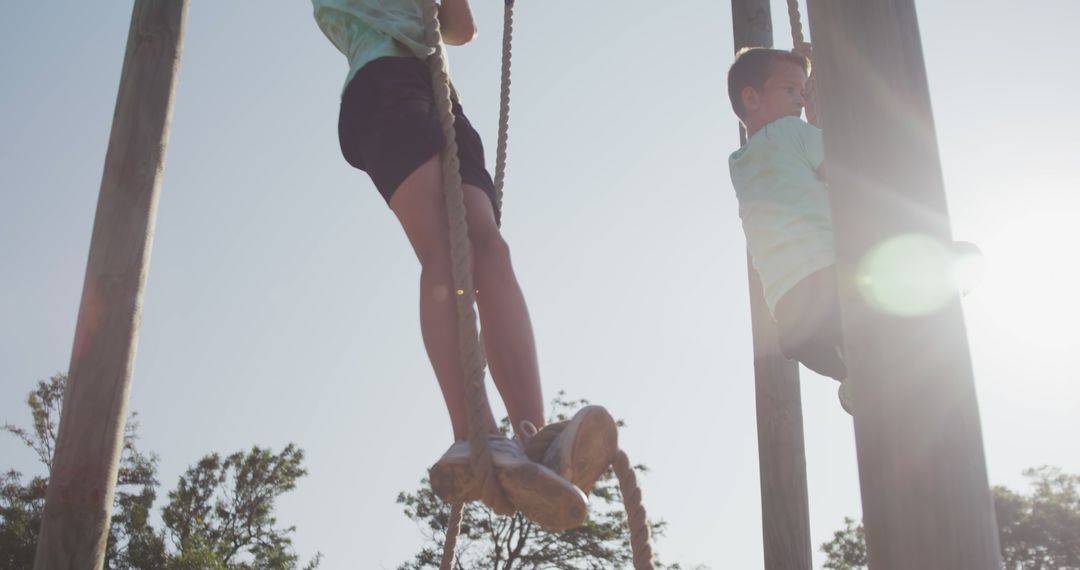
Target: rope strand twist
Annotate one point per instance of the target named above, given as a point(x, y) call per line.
point(796, 23)
point(469, 351)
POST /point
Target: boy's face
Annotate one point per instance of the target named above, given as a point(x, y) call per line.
point(781, 96)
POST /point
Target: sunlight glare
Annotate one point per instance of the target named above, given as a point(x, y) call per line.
point(907, 275)
point(1033, 274)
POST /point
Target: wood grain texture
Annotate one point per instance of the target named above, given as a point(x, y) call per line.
point(785, 508)
point(83, 478)
point(926, 500)
point(785, 511)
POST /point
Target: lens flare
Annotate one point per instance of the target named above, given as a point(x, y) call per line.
point(908, 275)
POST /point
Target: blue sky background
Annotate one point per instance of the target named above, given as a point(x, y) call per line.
point(281, 304)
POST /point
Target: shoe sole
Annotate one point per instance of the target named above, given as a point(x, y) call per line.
point(542, 496)
point(453, 482)
point(595, 442)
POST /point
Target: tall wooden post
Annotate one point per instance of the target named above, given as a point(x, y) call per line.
point(79, 500)
point(926, 500)
point(785, 511)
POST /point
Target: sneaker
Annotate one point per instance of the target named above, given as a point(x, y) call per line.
point(452, 477)
point(540, 494)
point(537, 492)
point(844, 393)
point(585, 447)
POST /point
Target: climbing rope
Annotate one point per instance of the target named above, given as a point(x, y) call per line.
point(796, 23)
point(453, 529)
point(797, 41)
point(469, 351)
point(470, 348)
point(504, 109)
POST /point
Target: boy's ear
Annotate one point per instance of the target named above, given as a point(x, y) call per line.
point(750, 98)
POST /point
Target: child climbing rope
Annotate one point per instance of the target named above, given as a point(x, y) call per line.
point(779, 179)
point(388, 127)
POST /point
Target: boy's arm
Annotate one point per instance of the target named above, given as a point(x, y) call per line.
point(810, 96)
point(456, 21)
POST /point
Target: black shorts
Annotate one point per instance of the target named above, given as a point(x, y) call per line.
point(389, 126)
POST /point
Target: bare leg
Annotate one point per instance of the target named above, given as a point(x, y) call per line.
point(419, 206)
point(508, 335)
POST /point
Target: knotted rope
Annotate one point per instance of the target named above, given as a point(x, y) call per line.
point(470, 348)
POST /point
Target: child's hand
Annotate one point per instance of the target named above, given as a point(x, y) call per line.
point(810, 97)
point(806, 50)
point(810, 90)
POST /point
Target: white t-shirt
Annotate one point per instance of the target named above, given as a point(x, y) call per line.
point(783, 204)
point(365, 30)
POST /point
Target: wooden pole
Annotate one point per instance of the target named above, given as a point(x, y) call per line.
point(926, 499)
point(79, 499)
point(785, 511)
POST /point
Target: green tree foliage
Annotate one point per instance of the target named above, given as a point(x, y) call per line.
point(21, 504)
point(847, 549)
point(219, 517)
point(515, 543)
point(1041, 531)
point(1037, 531)
point(224, 509)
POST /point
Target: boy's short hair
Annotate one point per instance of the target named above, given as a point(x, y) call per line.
point(751, 69)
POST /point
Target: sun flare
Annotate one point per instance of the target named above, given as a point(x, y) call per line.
point(1032, 275)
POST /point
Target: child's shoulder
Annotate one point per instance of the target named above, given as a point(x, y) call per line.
point(786, 133)
point(790, 125)
point(784, 129)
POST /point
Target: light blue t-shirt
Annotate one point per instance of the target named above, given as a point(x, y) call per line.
point(365, 30)
point(783, 204)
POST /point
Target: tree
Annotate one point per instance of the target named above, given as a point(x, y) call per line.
point(1039, 531)
point(515, 543)
point(219, 517)
point(847, 549)
point(21, 505)
point(222, 511)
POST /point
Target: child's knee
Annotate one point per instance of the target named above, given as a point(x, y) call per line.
point(490, 247)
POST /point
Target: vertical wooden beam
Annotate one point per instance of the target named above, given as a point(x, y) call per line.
point(926, 499)
point(79, 499)
point(785, 511)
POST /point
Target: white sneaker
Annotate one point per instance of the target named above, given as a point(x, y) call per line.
point(585, 447)
point(537, 492)
point(847, 401)
point(452, 477)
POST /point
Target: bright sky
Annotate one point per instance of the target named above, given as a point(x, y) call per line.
point(281, 305)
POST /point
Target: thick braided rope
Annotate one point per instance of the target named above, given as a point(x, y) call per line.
point(796, 23)
point(504, 109)
point(472, 362)
point(453, 529)
point(640, 536)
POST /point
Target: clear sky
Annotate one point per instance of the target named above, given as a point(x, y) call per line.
point(281, 304)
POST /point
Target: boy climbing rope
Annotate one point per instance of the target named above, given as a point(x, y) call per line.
point(388, 127)
point(779, 179)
